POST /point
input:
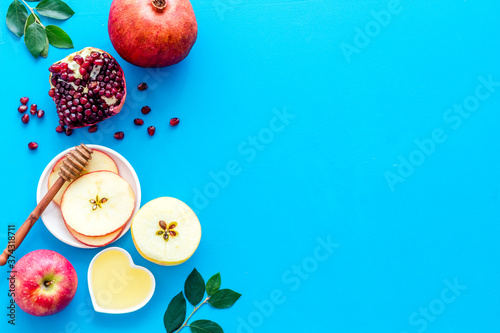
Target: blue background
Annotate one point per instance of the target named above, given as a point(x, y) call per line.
point(355, 166)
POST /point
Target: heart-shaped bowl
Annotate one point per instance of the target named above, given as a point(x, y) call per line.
point(112, 284)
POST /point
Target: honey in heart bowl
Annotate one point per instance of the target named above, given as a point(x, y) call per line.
point(116, 284)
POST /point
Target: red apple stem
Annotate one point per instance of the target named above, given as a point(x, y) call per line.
point(30, 221)
point(159, 4)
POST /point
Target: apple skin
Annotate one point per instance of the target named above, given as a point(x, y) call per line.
point(36, 269)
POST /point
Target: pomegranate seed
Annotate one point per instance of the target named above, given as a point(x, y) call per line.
point(52, 92)
point(99, 62)
point(69, 131)
point(83, 71)
point(25, 119)
point(32, 145)
point(138, 121)
point(63, 66)
point(174, 121)
point(24, 100)
point(40, 113)
point(145, 110)
point(55, 68)
point(59, 129)
point(119, 135)
point(78, 59)
point(142, 86)
point(151, 130)
point(22, 109)
point(93, 129)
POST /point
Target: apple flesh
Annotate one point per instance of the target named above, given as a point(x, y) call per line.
point(98, 203)
point(45, 284)
point(99, 161)
point(163, 216)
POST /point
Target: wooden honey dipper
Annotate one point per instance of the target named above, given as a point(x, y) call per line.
point(73, 164)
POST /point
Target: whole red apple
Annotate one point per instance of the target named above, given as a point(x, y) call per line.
point(152, 33)
point(45, 284)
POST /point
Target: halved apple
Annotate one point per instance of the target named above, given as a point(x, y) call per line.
point(98, 203)
point(95, 241)
point(99, 161)
point(166, 231)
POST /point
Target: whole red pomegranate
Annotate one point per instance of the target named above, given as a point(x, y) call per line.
point(87, 86)
point(152, 33)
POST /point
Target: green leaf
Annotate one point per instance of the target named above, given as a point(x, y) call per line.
point(30, 21)
point(205, 326)
point(55, 9)
point(17, 15)
point(175, 314)
point(223, 299)
point(35, 39)
point(213, 284)
point(45, 51)
point(194, 287)
point(58, 37)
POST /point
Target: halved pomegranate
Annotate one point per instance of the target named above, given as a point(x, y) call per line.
point(87, 86)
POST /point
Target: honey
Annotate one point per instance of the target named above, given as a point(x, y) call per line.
point(116, 285)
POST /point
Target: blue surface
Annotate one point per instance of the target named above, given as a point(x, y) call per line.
point(414, 246)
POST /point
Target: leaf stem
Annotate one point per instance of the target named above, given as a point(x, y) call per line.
point(192, 313)
point(34, 15)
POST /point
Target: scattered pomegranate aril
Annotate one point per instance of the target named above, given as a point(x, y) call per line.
point(138, 121)
point(40, 113)
point(79, 88)
point(22, 109)
point(145, 109)
point(69, 131)
point(93, 129)
point(119, 135)
point(59, 129)
point(24, 100)
point(142, 86)
point(32, 145)
point(174, 121)
point(25, 119)
point(151, 130)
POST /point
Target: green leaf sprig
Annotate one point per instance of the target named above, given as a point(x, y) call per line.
point(37, 37)
point(194, 289)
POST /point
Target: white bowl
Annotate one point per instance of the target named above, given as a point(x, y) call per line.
point(97, 308)
point(52, 217)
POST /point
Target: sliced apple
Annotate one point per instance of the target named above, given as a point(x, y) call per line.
point(166, 231)
point(99, 161)
point(96, 241)
point(98, 203)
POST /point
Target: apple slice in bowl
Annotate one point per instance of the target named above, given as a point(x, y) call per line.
point(96, 241)
point(100, 161)
point(97, 204)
